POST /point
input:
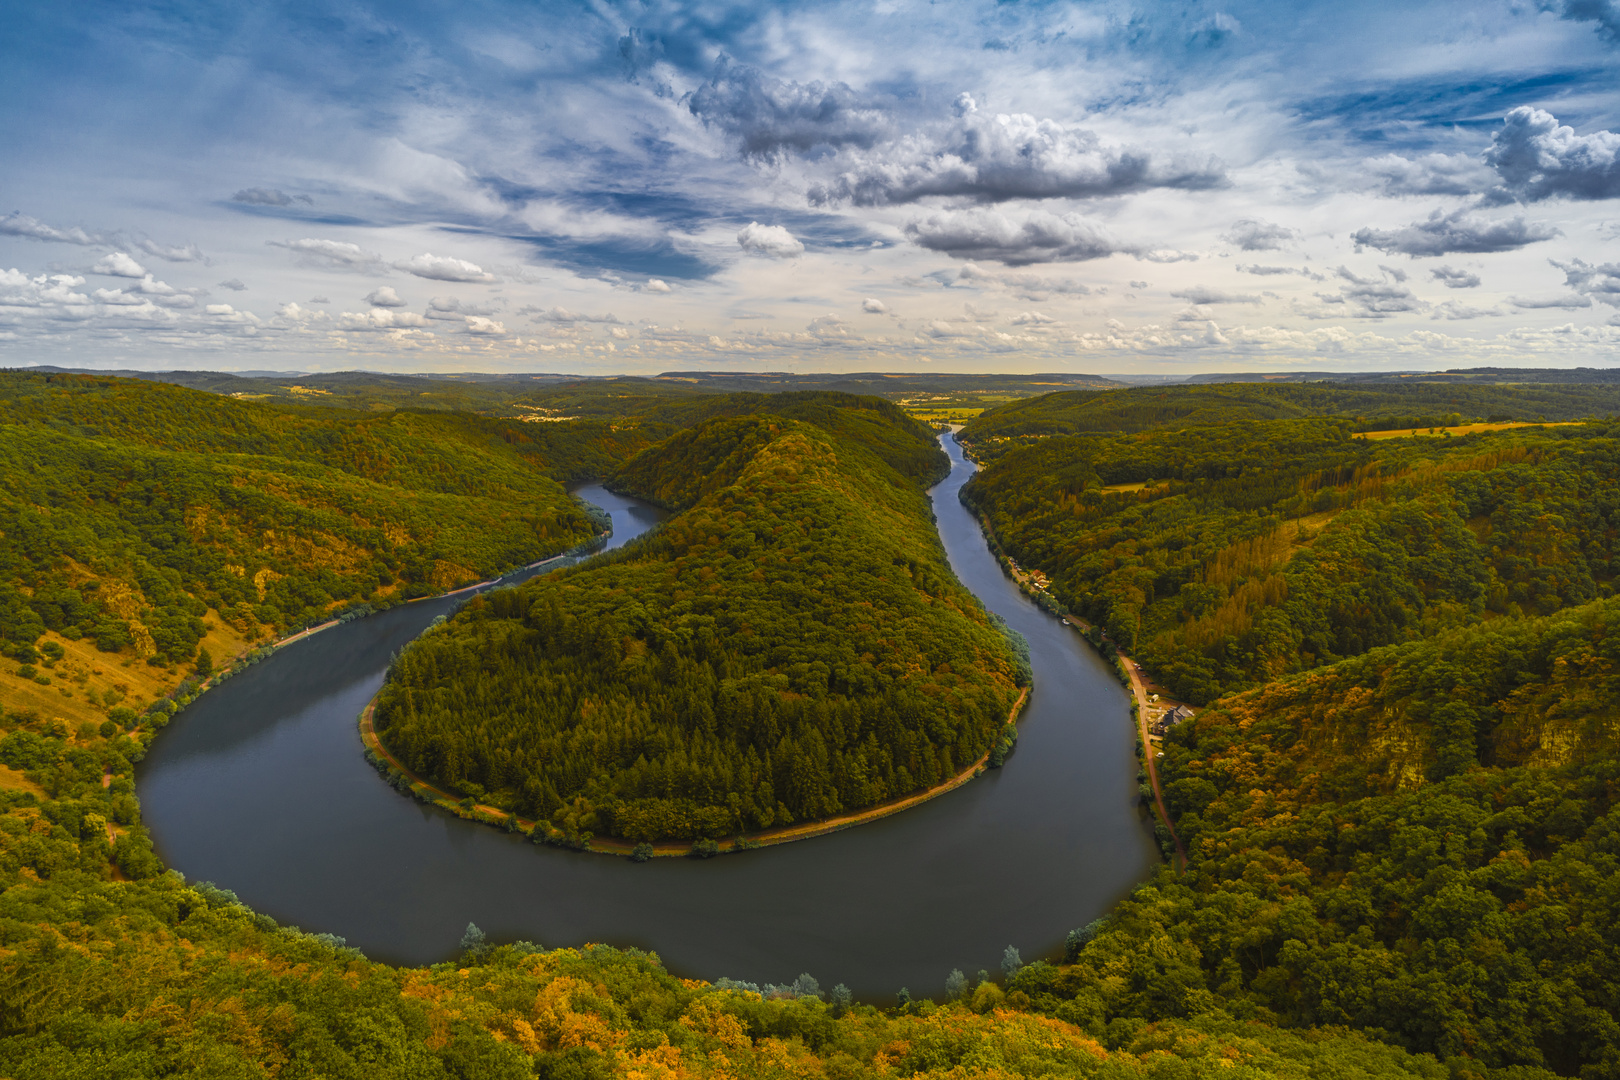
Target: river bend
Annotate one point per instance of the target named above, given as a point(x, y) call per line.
point(260, 787)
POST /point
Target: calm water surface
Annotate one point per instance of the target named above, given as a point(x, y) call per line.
point(260, 787)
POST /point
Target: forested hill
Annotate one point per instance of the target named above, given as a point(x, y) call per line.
point(1422, 842)
point(1229, 556)
point(1419, 403)
point(789, 646)
point(142, 523)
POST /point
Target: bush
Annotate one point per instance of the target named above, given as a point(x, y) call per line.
point(641, 852)
point(704, 849)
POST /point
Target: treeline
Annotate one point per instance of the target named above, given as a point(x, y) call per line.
point(1408, 403)
point(1258, 549)
point(791, 645)
point(129, 510)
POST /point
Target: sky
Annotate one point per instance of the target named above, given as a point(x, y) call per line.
point(604, 188)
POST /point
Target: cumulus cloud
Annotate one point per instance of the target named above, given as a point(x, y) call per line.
point(117, 264)
point(773, 241)
point(18, 290)
point(1601, 282)
point(1203, 294)
point(1539, 158)
point(995, 158)
point(384, 296)
point(233, 284)
point(1371, 298)
point(1456, 309)
point(1454, 279)
point(772, 117)
point(168, 252)
point(148, 290)
point(331, 254)
point(1033, 318)
point(1252, 235)
point(259, 196)
point(379, 319)
point(1567, 302)
point(990, 234)
point(874, 307)
point(478, 324)
point(1432, 174)
point(450, 309)
point(444, 268)
point(1458, 232)
point(657, 285)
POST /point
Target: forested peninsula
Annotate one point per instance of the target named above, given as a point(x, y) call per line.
point(789, 646)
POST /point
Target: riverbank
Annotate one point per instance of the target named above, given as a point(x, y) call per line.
point(1127, 670)
point(162, 711)
point(407, 782)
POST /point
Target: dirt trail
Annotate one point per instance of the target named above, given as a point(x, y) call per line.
point(1141, 693)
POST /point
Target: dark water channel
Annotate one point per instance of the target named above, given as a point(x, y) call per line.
point(260, 787)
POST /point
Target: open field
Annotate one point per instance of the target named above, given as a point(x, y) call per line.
point(1460, 429)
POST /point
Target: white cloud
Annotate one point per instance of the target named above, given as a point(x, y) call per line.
point(331, 254)
point(233, 284)
point(384, 296)
point(1431, 174)
point(874, 307)
point(773, 241)
point(117, 264)
point(1454, 279)
point(1252, 235)
point(444, 268)
point(990, 234)
point(1458, 232)
point(657, 285)
point(987, 158)
point(16, 224)
point(379, 319)
point(477, 324)
point(1456, 309)
point(1601, 282)
point(1203, 294)
point(1022, 283)
point(1539, 158)
point(1568, 302)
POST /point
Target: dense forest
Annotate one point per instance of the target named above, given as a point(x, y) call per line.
point(1232, 555)
point(1399, 805)
point(146, 523)
point(1370, 405)
point(790, 645)
point(1421, 843)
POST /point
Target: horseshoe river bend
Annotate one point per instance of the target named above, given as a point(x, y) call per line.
point(260, 787)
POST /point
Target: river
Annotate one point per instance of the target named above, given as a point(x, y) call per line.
point(260, 787)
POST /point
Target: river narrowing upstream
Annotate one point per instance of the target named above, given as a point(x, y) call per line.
point(260, 787)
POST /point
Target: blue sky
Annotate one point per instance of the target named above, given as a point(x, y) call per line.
point(901, 186)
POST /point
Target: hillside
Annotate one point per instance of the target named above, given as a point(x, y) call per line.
point(142, 523)
point(1366, 406)
point(790, 645)
point(1419, 842)
point(1229, 556)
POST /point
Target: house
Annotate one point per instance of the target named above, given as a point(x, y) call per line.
point(1163, 724)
